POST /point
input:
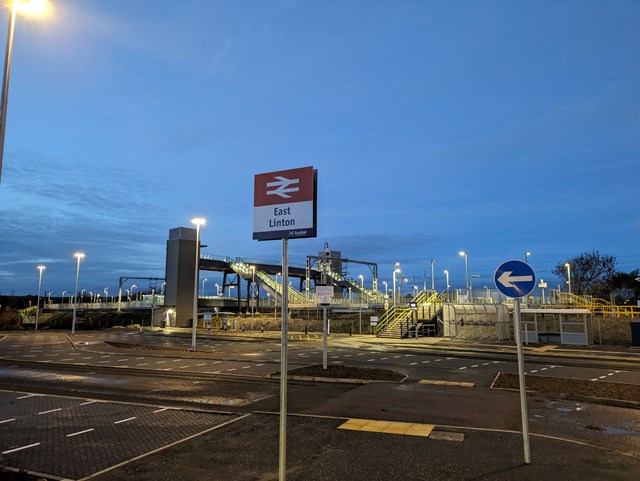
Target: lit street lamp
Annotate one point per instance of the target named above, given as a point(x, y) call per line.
point(386, 289)
point(197, 222)
point(217, 290)
point(40, 268)
point(466, 270)
point(33, 6)
point(106, 294)
point(473, 276)
point(63, 293)
point(568, 266)
point(79, 256)
point(203, 281)
point(526, 256)
point(132, 288)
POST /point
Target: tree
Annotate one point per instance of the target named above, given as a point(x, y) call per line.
point(591, 273)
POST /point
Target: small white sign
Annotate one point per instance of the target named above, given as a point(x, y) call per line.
point(207, 316)
point(373, 321)
point(324, 294)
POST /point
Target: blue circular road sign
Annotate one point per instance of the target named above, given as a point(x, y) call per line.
point(515, 278)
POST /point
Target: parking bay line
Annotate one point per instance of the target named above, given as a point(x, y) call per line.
point(79, 432)
point(21, 448)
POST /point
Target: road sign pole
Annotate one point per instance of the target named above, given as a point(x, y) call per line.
point(282, 465)
point(324, 338)
point(523, 389)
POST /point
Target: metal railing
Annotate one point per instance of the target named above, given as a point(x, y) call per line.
point(597, 305)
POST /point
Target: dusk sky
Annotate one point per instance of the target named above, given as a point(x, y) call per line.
point(495, 127)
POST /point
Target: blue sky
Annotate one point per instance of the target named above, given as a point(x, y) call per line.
point(495, 127)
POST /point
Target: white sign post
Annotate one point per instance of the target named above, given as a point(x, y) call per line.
point(284, 207)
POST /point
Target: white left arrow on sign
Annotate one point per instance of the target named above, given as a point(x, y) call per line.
point(507, 280)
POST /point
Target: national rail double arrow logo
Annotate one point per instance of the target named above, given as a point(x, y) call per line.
point(282, 188)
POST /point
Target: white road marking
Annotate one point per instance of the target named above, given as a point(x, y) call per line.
point(246, 367)
point(202, 364)
point(90, 402)
point(412, 363)
point(79, 432)
point(143, 364)
point(125, 420)
point(232, 369)
point(369, 360)
point(159, 410)
point(21, 448)
point(462, 368)
point(7, 420)
point(28, 395)
point(50, 411)
point(258, 365)
point(120, 360)
point(425, 362)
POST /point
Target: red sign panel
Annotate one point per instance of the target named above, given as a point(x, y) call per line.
point(283, 187)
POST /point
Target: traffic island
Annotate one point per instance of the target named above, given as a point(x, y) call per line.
point(600, 392)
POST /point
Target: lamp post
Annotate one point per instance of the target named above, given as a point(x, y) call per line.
point(253, 287)
point(396, 269)
point(63, 293)
point(34, 6)
point(79, 256)
point(203, 281)
point(106, 294)
point(40, 268)
point(568, 266)
point(526, 256)
point(473, 276)
point(197, 222)
point(217, 286)
point(433, 275)
point(164, 284)
point(275, 297)
point(446, 272)
point(386, 289)
point(131, 291)
point(466, 270)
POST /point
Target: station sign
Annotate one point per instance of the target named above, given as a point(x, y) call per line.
point(515, 278)
point(284, 205)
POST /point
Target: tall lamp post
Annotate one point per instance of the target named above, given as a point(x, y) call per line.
point(396, 269)
point(568, 266)
point(386, 289)
point(40, 268)
point(197, 222)
point(466, 270)
point(203, 281)
point(79, 256)
point(446, 272)
point(526, 256)
point(433, 275)
point(33, 6)
point(471, 278)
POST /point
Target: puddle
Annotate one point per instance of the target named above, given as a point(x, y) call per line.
point(619, 431)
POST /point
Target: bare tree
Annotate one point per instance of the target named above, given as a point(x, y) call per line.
point(591, 273)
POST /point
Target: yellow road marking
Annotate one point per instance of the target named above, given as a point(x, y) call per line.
point(389, 427)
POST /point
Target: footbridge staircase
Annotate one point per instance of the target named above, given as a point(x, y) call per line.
point(597, 305)
point(265, 282)
point(400, 321)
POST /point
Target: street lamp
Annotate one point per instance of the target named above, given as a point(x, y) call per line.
point(448, 286)
point(568, 266)
point(40, 268)
point(526, 256)
point(106, 294)
point(433, 275)
point(63, 293)
point(217, 286)
point(466, 270)
point(473, 276)
point(203, 281)
point(197, 221)
point(33, 6)
point(396, 269)
point(386, 289)
point(132, 288)
point(79, 256)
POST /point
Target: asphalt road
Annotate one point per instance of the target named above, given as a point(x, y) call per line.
point(88, 409)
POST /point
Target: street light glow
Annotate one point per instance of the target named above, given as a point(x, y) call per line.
point(198, 221)
point(31, 7)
